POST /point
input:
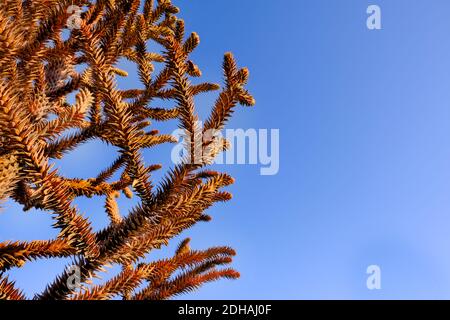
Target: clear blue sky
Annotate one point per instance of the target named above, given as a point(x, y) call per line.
point(364, 119)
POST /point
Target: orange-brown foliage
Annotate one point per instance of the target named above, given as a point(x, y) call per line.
point(38, 71)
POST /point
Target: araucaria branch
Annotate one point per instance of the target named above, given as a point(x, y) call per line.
point(51, 50)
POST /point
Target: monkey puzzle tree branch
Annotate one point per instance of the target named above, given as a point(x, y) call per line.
point(57, 94)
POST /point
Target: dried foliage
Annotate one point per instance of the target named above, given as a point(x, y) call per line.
point(39, 70)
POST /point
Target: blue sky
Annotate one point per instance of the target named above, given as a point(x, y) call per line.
point(364, 120)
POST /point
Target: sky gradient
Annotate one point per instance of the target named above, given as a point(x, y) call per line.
point(364, 179)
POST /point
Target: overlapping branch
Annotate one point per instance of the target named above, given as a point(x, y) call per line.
point(40, 70)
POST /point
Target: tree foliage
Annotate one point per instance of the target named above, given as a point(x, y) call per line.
point(39, 70)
